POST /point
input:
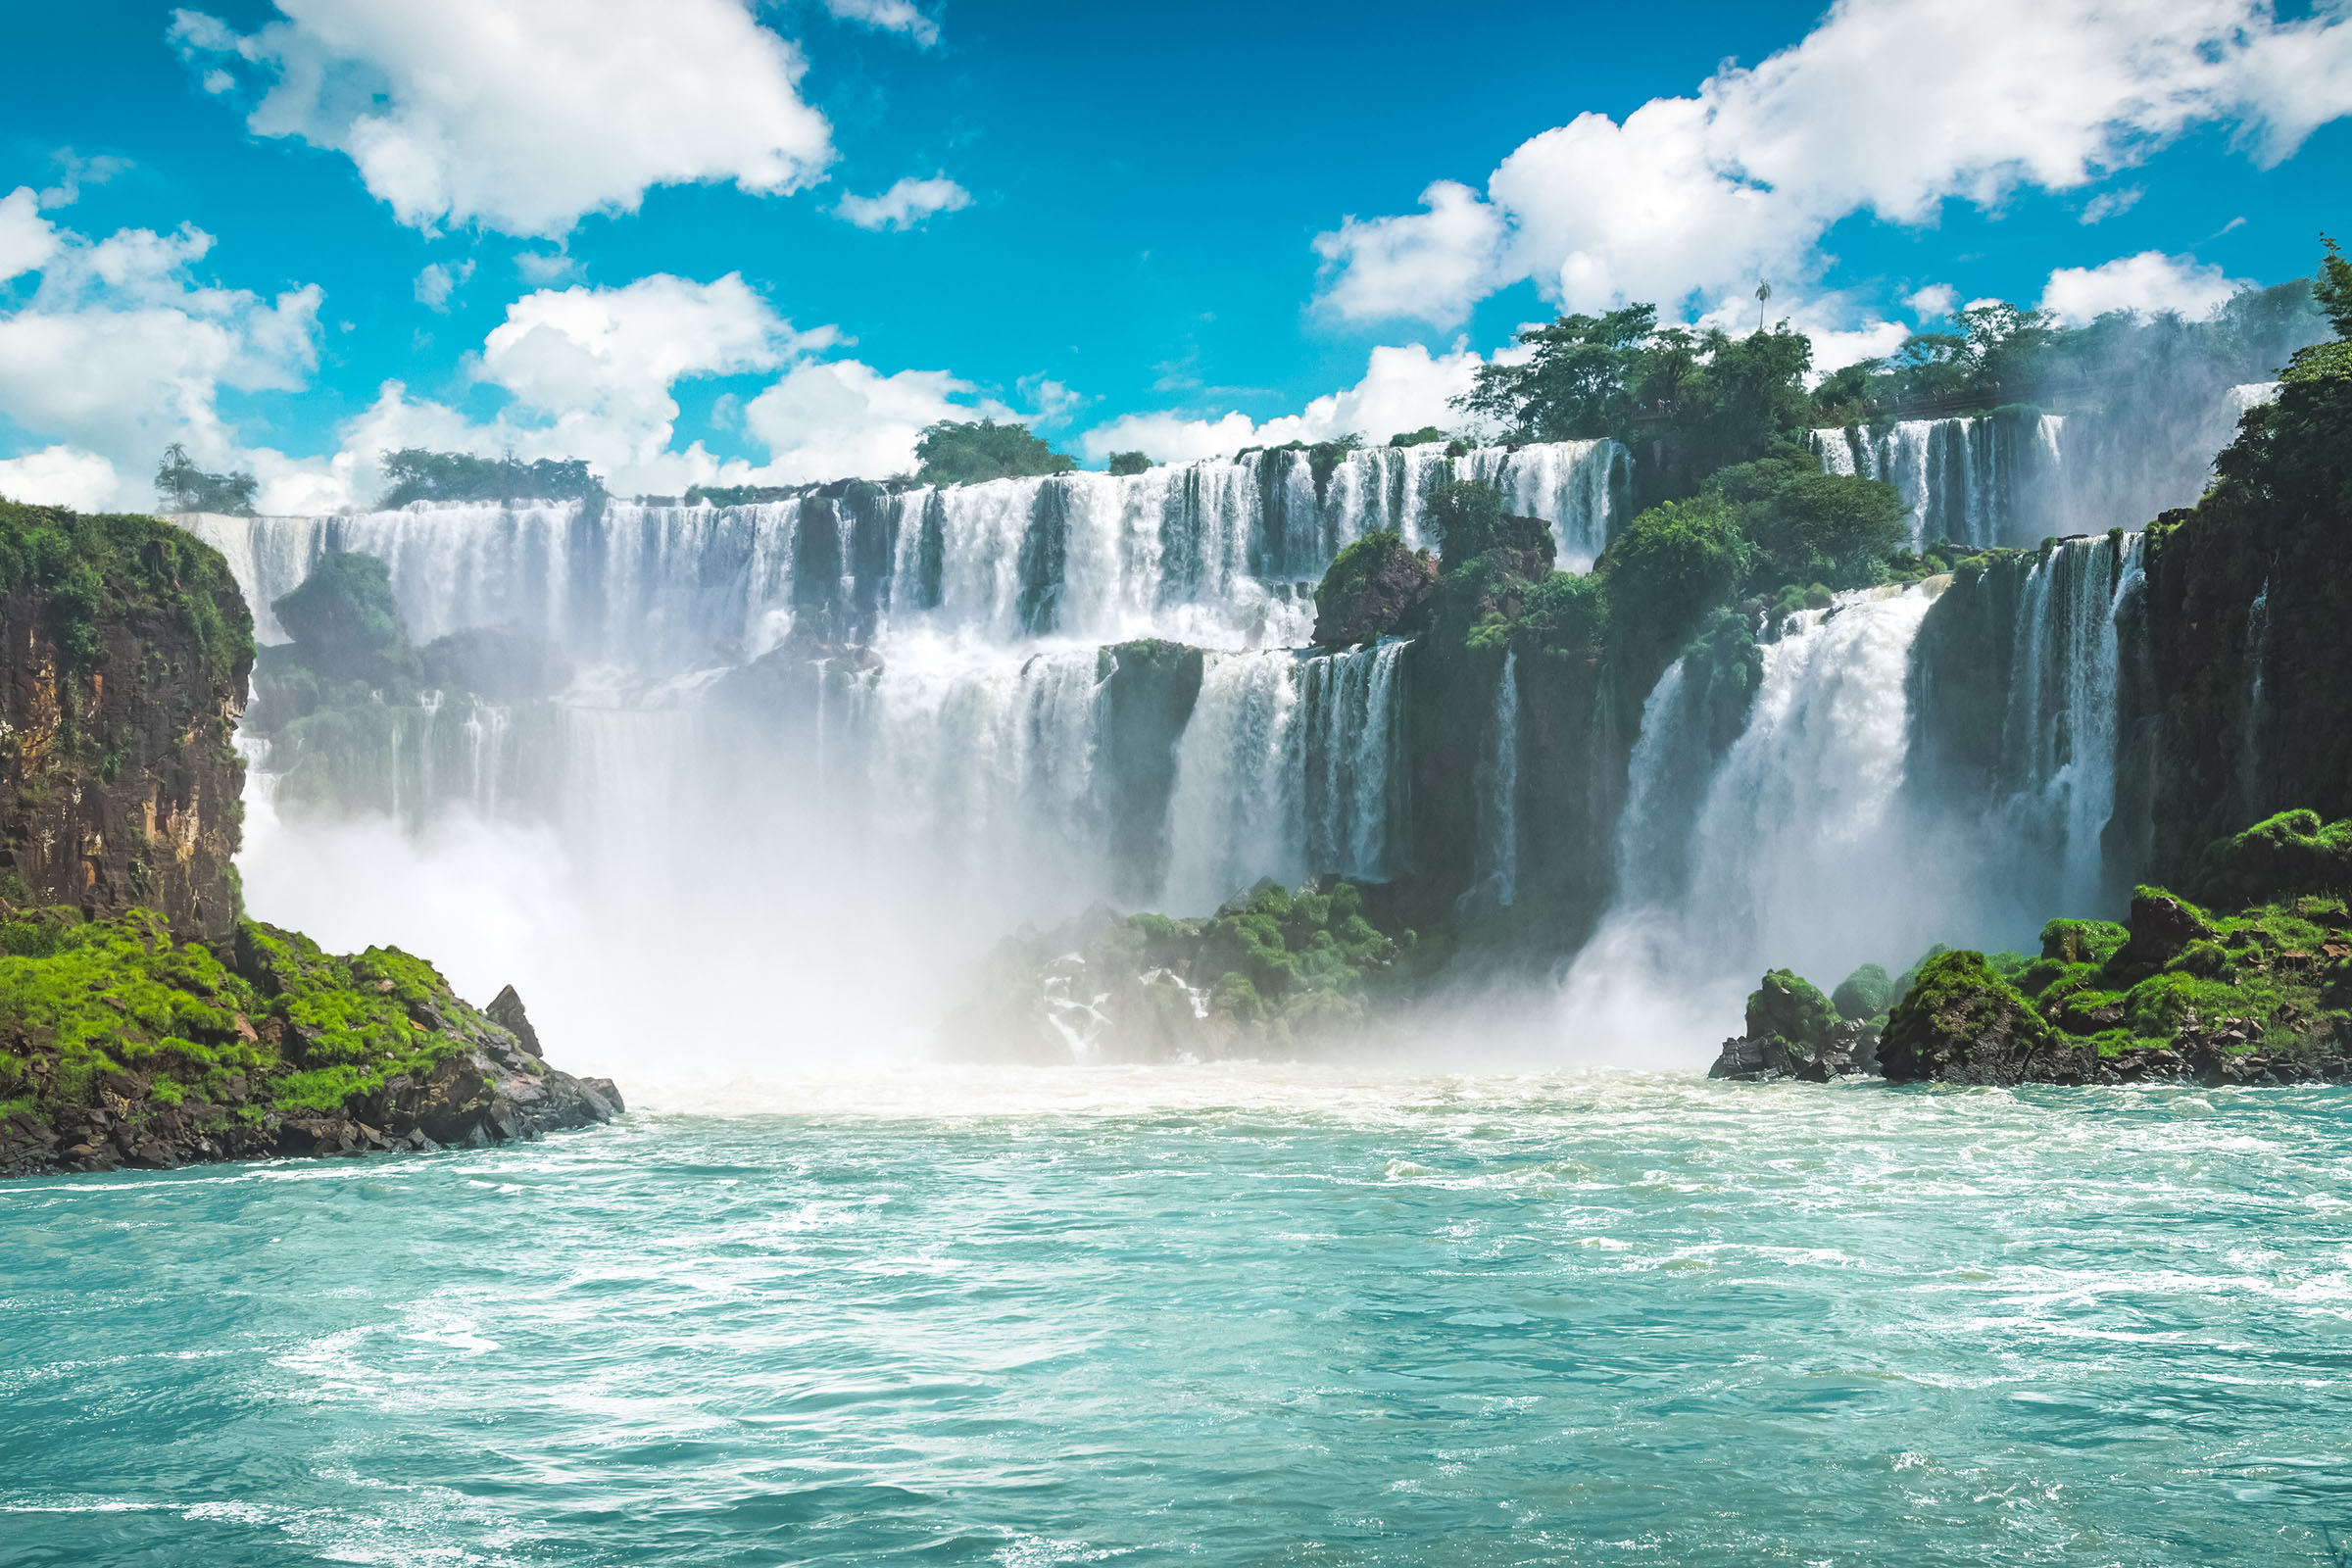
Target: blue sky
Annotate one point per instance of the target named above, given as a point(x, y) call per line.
point(1176, 230)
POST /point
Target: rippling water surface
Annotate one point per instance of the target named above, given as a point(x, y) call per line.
point(1255, 1315)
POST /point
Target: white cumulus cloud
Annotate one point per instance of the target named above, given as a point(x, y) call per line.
point(122, 349)
point(438, 281)
point(61, 477)
point(1888, 107)
point(1404, 388)
point(26, 239)
point(2147, 284)
point(838, 418)
point(906, 204)
point(522, 115)
point(888, 16)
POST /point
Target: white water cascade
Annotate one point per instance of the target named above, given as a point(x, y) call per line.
point(1976, 480)
point(1498, 801)
point(2059, 732)
point(1799, 853)
point(1216, 554)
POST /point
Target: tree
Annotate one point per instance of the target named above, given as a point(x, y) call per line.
point(1576, 385)
point(966, 453)
point(415, 473)
point(181, 486)
point(1129, 462)
point(1467, 517)
point(1666, 570)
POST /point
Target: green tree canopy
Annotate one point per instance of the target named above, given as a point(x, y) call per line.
point(413, 473)
point(1467, 517)
point(965, 454)
point(1578, 383)
point(1666, 569)
point(1807, 526)
point(181, 486)
point(1129, 462)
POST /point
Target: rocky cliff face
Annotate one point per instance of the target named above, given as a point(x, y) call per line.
point(124, 651)
point(142, 1021)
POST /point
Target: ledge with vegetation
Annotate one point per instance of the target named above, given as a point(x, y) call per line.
point(2254, 987)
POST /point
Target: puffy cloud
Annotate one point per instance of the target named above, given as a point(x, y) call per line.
point(438, 281)
point(75, 172)
point(542, 267)
point(1933, 303)
point(593, 371)
point(26, 238)
point(889, 16)
point(61, 477)
point(837, 418)
point(524, 115)
point(906, 204)
point(1889, 107)
point(1404, 389)
point(120, 350)
point(1433, 264)
point(1835, 350)
point(2146, 284)
point(617, 351)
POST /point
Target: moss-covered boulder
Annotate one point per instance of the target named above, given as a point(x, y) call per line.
point(1272, 969)
point(1794, 1032)
point(1962, 1023)
point(1377, 587)
point(1863, 994)
point(2291, 852)
point(121, 1046)
point(2164, 925)
point(1792, 1008)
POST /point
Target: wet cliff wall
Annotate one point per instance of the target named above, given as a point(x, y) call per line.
point(124, 647)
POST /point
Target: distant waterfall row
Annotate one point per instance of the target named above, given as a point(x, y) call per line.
point(1985, 480)
point(2017, 475)
point(1217, 553)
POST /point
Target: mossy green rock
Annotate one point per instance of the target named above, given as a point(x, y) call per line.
point(1789, 1008)
point(127, 646)
point(1962, 1023)
point(1272, 969)
point(1376, 587)
point(121, 1046)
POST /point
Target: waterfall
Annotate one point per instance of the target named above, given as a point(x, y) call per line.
point(1237, 812)
point(1287, 769)
point(2252, 796)
point(2059, 731)
point(1974, 479)
point(1498, 803)
point(1799, 853)
point(1216, 554)
point(1350, 719)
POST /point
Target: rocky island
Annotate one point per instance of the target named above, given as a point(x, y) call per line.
point(144, 1019)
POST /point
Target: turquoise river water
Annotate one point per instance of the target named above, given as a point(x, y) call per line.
point(1213, 1316)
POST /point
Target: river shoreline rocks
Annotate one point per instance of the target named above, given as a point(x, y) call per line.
point(2258, 994)
point(483, 1084)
